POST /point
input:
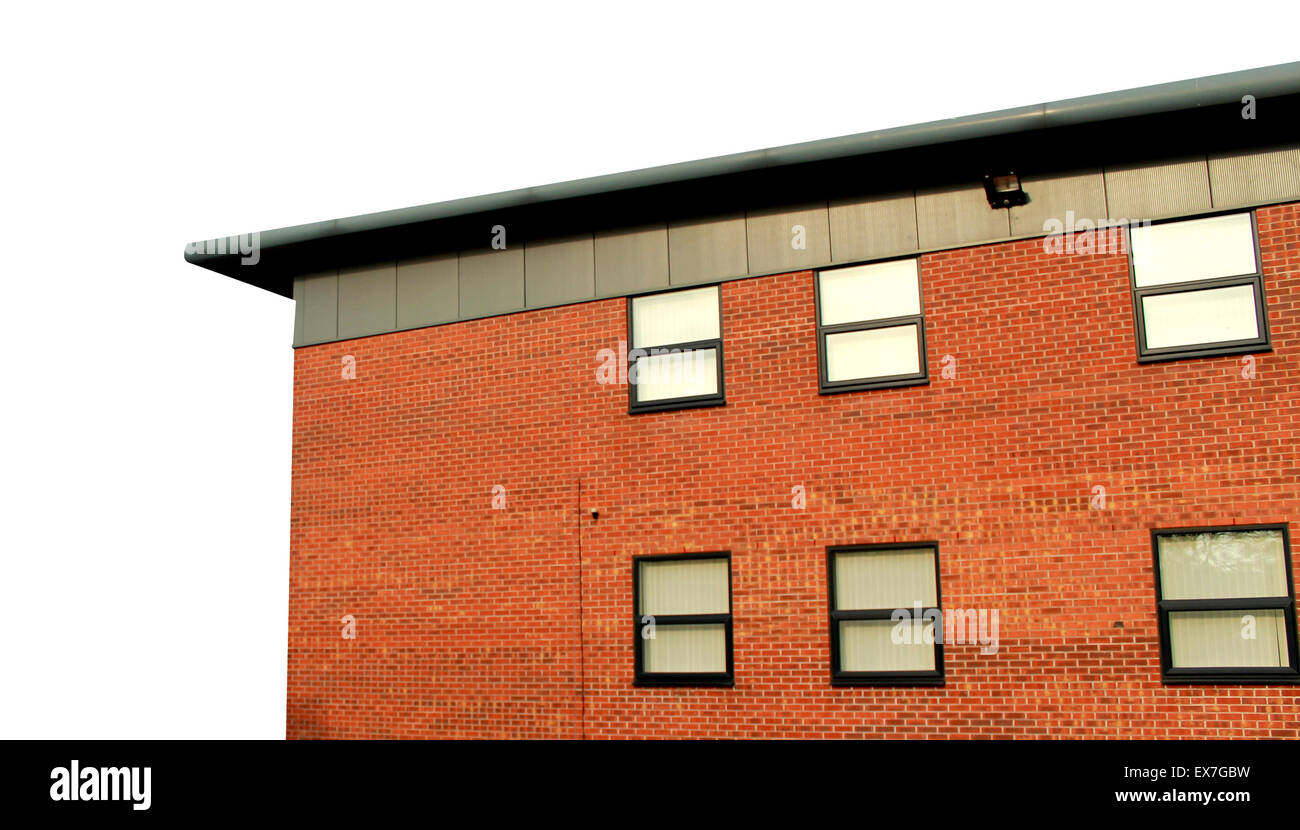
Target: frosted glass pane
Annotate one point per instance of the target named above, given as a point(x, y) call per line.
point(1199, 249)
point(675, 375)
point(1222, 565)
point(868, 645)
point(1192, 317)
point(1201, 639)
point(872, 353)
point(687, 648)
point(675, 317)
point(876, 579)
point(869, 292)
point(685, 586)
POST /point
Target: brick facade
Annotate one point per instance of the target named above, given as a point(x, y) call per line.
point(478, 622)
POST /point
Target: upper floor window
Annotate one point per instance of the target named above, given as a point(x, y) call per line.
point(870, 327)
point(1197, 288)
point(675, 358)
point(682, 606)
point(1226, 603)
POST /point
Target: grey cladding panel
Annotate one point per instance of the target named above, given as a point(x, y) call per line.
point(558, 271)
point(320, 305)
point(428, 291)
point(1254, 177)
point(957, 215)
point(873, 227)
point(630, 261)
point(1052, 196)
point(491, 282)
point(299, 311)
point(1144, 191)
point(702, 250)
point(483, 282)
point(367, 300)
point(772, 238)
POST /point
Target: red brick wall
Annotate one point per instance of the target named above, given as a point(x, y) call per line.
point(468, 617)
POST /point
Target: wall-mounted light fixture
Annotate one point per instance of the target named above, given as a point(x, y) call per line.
point(1003, 191)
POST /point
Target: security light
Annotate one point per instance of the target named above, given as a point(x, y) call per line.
point(1003, 191)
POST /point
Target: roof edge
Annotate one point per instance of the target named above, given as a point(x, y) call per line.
point(1263, 82)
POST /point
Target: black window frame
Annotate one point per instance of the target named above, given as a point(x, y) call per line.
point(827, 387)
point(933, 677)
point(1257, 345)
point(1170, 674)
point(712, 679)
point(719, 398)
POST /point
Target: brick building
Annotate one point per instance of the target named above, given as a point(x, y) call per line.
point(948, 405)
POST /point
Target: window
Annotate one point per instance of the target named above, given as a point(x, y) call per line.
point(675, 360)
point(1226, 603)
point(870, 328)
point(873, 642)
point(1197, 288)
point(682, 619)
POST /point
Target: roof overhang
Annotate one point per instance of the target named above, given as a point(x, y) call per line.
point(1186, 117)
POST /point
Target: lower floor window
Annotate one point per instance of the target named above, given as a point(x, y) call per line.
point(682, 619)
point(1225, 599)
point(886, 623)
point(1226, 602)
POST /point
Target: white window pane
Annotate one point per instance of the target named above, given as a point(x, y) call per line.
point(1222, 565)
point(1203, 639)
point(685, 586)
point(869, 292)
point(869, 645)
point(873, 353)
point(1199, 249)
point(675, 375)
point(675, 317)
point(686, 648)
point(1189, 318)
point(873, 579)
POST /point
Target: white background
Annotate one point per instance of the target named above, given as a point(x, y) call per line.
point(147, 403)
